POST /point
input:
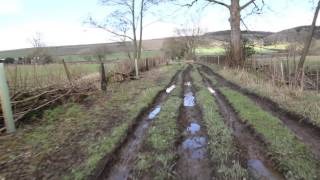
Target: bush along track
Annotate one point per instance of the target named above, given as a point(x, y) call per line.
point(125, 155)
point(301, 126)
point(222, 149)
point(194, 161)
point(251, 145)
point(158, 156)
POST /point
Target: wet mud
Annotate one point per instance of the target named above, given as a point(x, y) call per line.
point(252, 148)
point(121, 163)
point(304, 130)
point(193, 160)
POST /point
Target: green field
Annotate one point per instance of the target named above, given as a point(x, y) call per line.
point(109, 57)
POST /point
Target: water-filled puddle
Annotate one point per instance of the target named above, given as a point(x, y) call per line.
point(193, 128)
point(196, 147)
point(258, 171)
point(212, 91)
point(188, 100)
point(171, 88)
point(187, 83)
point(154, 113)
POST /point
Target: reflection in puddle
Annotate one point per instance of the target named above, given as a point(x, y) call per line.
point(154, 113)
point(258, 171)
point(188, 100)
point(187, 83)
point(212, 91)
point(171, 88)
point(193, 128)
point(196, 146)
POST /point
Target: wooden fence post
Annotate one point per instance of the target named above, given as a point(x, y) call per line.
point(67, 71)
point(103, 77)
point(5, 102)
point(147, 64)
point(282, 72)
point(317, 79)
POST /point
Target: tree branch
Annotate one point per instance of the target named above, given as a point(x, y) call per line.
point(93, 23)
point(247, 4)
point(220, 3)
point(213, 1)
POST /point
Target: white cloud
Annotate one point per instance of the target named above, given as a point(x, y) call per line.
point(10, 7)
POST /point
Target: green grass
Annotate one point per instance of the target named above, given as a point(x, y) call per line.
point(221, 51)
point(210, 51)
point(221, 147)
point(93, 131)
point(141, 99)
point(159, 154)
point(293, 156)
point(306, 103)
point(277, 46)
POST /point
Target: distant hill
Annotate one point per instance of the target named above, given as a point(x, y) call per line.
point(297, 34)
point(87, 49)
point(225, 35)
point(288, 35)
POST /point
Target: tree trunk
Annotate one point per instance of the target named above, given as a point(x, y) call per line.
point(135, 44)
point(141, 30)
point(307, 45)
point(235, 38)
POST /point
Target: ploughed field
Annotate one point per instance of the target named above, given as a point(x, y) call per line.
point(182, 121)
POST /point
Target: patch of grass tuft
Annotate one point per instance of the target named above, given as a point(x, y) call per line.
point(158, 156)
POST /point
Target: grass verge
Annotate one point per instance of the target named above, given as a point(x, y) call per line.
point(105, 144)
point(156, 160)
point(293, 157)
point(221, 147)
point(306, 103)
point(69, 140)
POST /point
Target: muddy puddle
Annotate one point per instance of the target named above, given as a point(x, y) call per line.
point(188, 100)
point(253, 151)
point(193, 162)
point(257, 170)
point(153, 114)
point(125, 158)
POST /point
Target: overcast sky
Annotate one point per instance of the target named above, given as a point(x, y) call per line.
point(61, 21)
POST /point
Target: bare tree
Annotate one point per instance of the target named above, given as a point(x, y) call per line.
point(40, 53)
point(190, 38)
point(126, 22)
point(235, 10)
point(307, 44)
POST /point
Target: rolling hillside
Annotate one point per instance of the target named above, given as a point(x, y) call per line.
point(153, 46)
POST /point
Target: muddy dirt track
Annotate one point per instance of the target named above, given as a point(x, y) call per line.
point(121, 163)
point(299, 125)
point(251, 147)
point(194, 161)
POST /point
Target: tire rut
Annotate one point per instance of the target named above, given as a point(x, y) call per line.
point(252, 147)
point(304, 130)
point(119, 167)
point(193, 160)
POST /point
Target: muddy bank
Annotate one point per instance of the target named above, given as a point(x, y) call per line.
point(251, 145)
point(118, 164)
point(301, 126)
point(193, 160)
